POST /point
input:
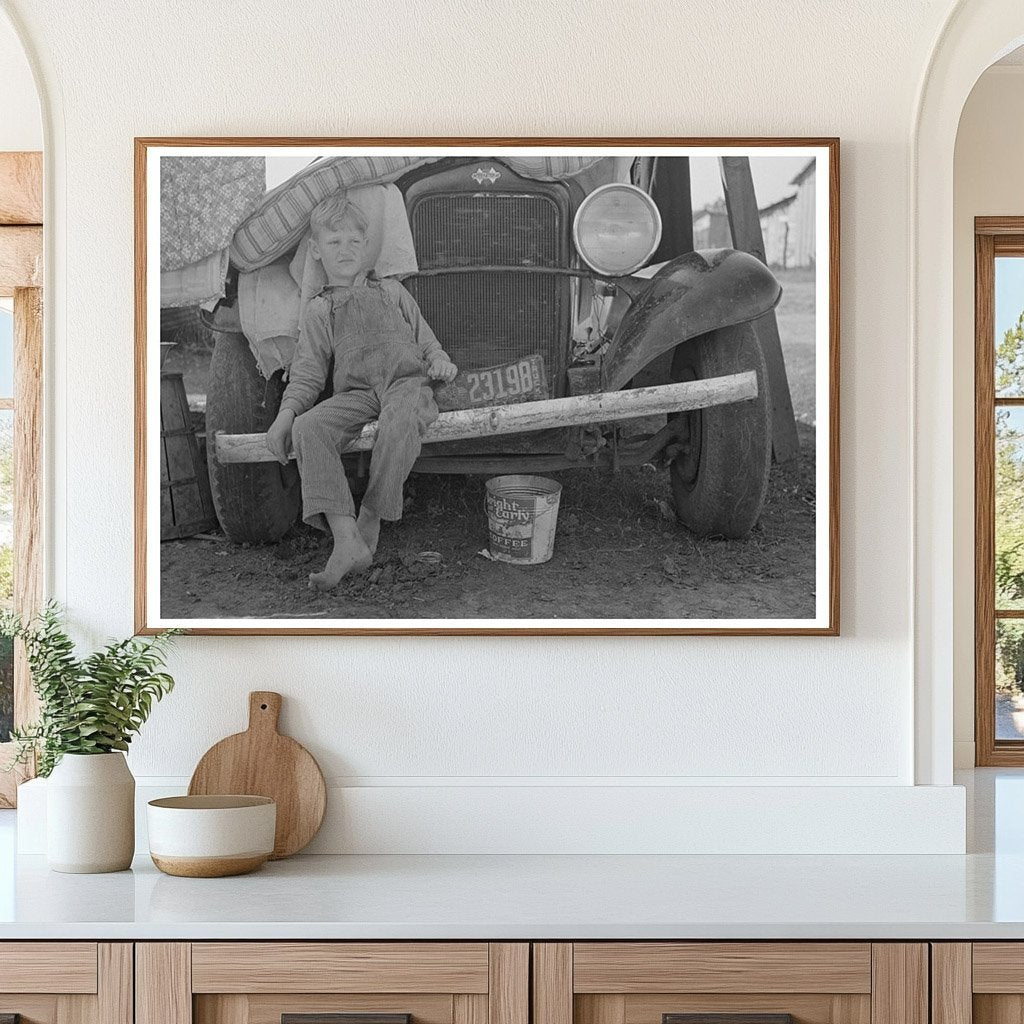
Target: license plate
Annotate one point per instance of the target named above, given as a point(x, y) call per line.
point(524, 380)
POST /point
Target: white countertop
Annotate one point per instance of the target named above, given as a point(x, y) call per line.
point(517, 897)
point(977, 896)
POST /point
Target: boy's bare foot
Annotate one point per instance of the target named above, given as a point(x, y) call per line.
point(368, 525)
point(350, 554)
point(347, 557)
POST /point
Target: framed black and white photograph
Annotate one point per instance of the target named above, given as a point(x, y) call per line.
point(487, 386)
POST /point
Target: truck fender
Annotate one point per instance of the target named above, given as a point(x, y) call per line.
point(689, 296)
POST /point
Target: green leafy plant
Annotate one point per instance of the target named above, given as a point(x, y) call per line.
point(90, 705)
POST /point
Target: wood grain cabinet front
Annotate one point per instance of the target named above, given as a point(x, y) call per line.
point(730, 983)
point(978, 983)
point(66, 982)
point(494, 983)
point(332, 983)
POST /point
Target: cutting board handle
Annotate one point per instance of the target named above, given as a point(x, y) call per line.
point(264, 710)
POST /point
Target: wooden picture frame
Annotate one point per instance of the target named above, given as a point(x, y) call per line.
point(745, 216)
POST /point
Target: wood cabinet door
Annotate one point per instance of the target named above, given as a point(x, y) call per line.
point(978, 983)
point(332, 983)
point(66, 982)
point(730, 983)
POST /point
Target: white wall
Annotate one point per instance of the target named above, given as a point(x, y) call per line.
point(987, 181)
point(21, 127)
point(440, 712)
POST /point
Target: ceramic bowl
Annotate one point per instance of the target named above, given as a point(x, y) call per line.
point(211, 836)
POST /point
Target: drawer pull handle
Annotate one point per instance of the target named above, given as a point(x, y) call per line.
point(727, 1018)
point(340, 1018)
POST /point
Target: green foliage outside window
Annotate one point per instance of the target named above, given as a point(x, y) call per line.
point(1009, 511)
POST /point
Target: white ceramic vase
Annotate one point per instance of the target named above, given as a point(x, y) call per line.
point(90, 814)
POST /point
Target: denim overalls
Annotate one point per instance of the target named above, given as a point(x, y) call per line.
point(379, 374)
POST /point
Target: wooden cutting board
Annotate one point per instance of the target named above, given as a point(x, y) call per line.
point(262, 762)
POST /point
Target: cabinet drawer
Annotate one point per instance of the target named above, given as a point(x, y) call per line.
point(752, 967)
point(340, 967)
point(998, 967)
point(730, 983)
point(64, 967)
point(66, 982)
point(332, 983)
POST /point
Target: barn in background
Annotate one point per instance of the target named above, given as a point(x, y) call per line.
point(788, 224)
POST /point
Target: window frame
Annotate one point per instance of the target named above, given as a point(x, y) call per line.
point(21, 270)
point(993, 237)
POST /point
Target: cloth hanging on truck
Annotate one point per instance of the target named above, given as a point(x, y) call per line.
point(268, 307)
point(202, 201)
point(197, 284)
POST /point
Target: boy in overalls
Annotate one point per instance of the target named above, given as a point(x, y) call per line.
point(385, 355)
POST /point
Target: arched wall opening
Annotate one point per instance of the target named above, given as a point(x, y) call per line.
point(975, 36)
point(987, 182)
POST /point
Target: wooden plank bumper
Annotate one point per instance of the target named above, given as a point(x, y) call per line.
point(578, 410)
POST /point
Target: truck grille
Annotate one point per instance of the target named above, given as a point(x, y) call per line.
point(492, 317)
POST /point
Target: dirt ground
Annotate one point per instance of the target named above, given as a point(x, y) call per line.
point(618, 554)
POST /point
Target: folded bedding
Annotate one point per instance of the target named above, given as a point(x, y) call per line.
point(282, 218)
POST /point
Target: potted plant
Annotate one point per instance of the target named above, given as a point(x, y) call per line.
point(89, 710)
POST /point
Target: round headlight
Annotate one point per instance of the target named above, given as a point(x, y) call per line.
point(617, 228)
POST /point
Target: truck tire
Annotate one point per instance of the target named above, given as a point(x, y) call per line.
point(255, 503)
point(720, 478)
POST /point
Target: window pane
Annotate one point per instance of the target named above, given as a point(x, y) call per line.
point(1009, 481)
point(1009, 319)
point(6, 563)
point(6, 351)
point(1009, 679)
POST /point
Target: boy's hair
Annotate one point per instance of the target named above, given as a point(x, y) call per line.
point(336, 211)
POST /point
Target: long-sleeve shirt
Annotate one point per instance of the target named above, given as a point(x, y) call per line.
point(317, 343)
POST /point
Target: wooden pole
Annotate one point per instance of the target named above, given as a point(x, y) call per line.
point(550, 413)
point(670, 188)
point(745, 224)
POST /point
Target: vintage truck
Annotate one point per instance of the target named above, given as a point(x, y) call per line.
point(588, 331)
